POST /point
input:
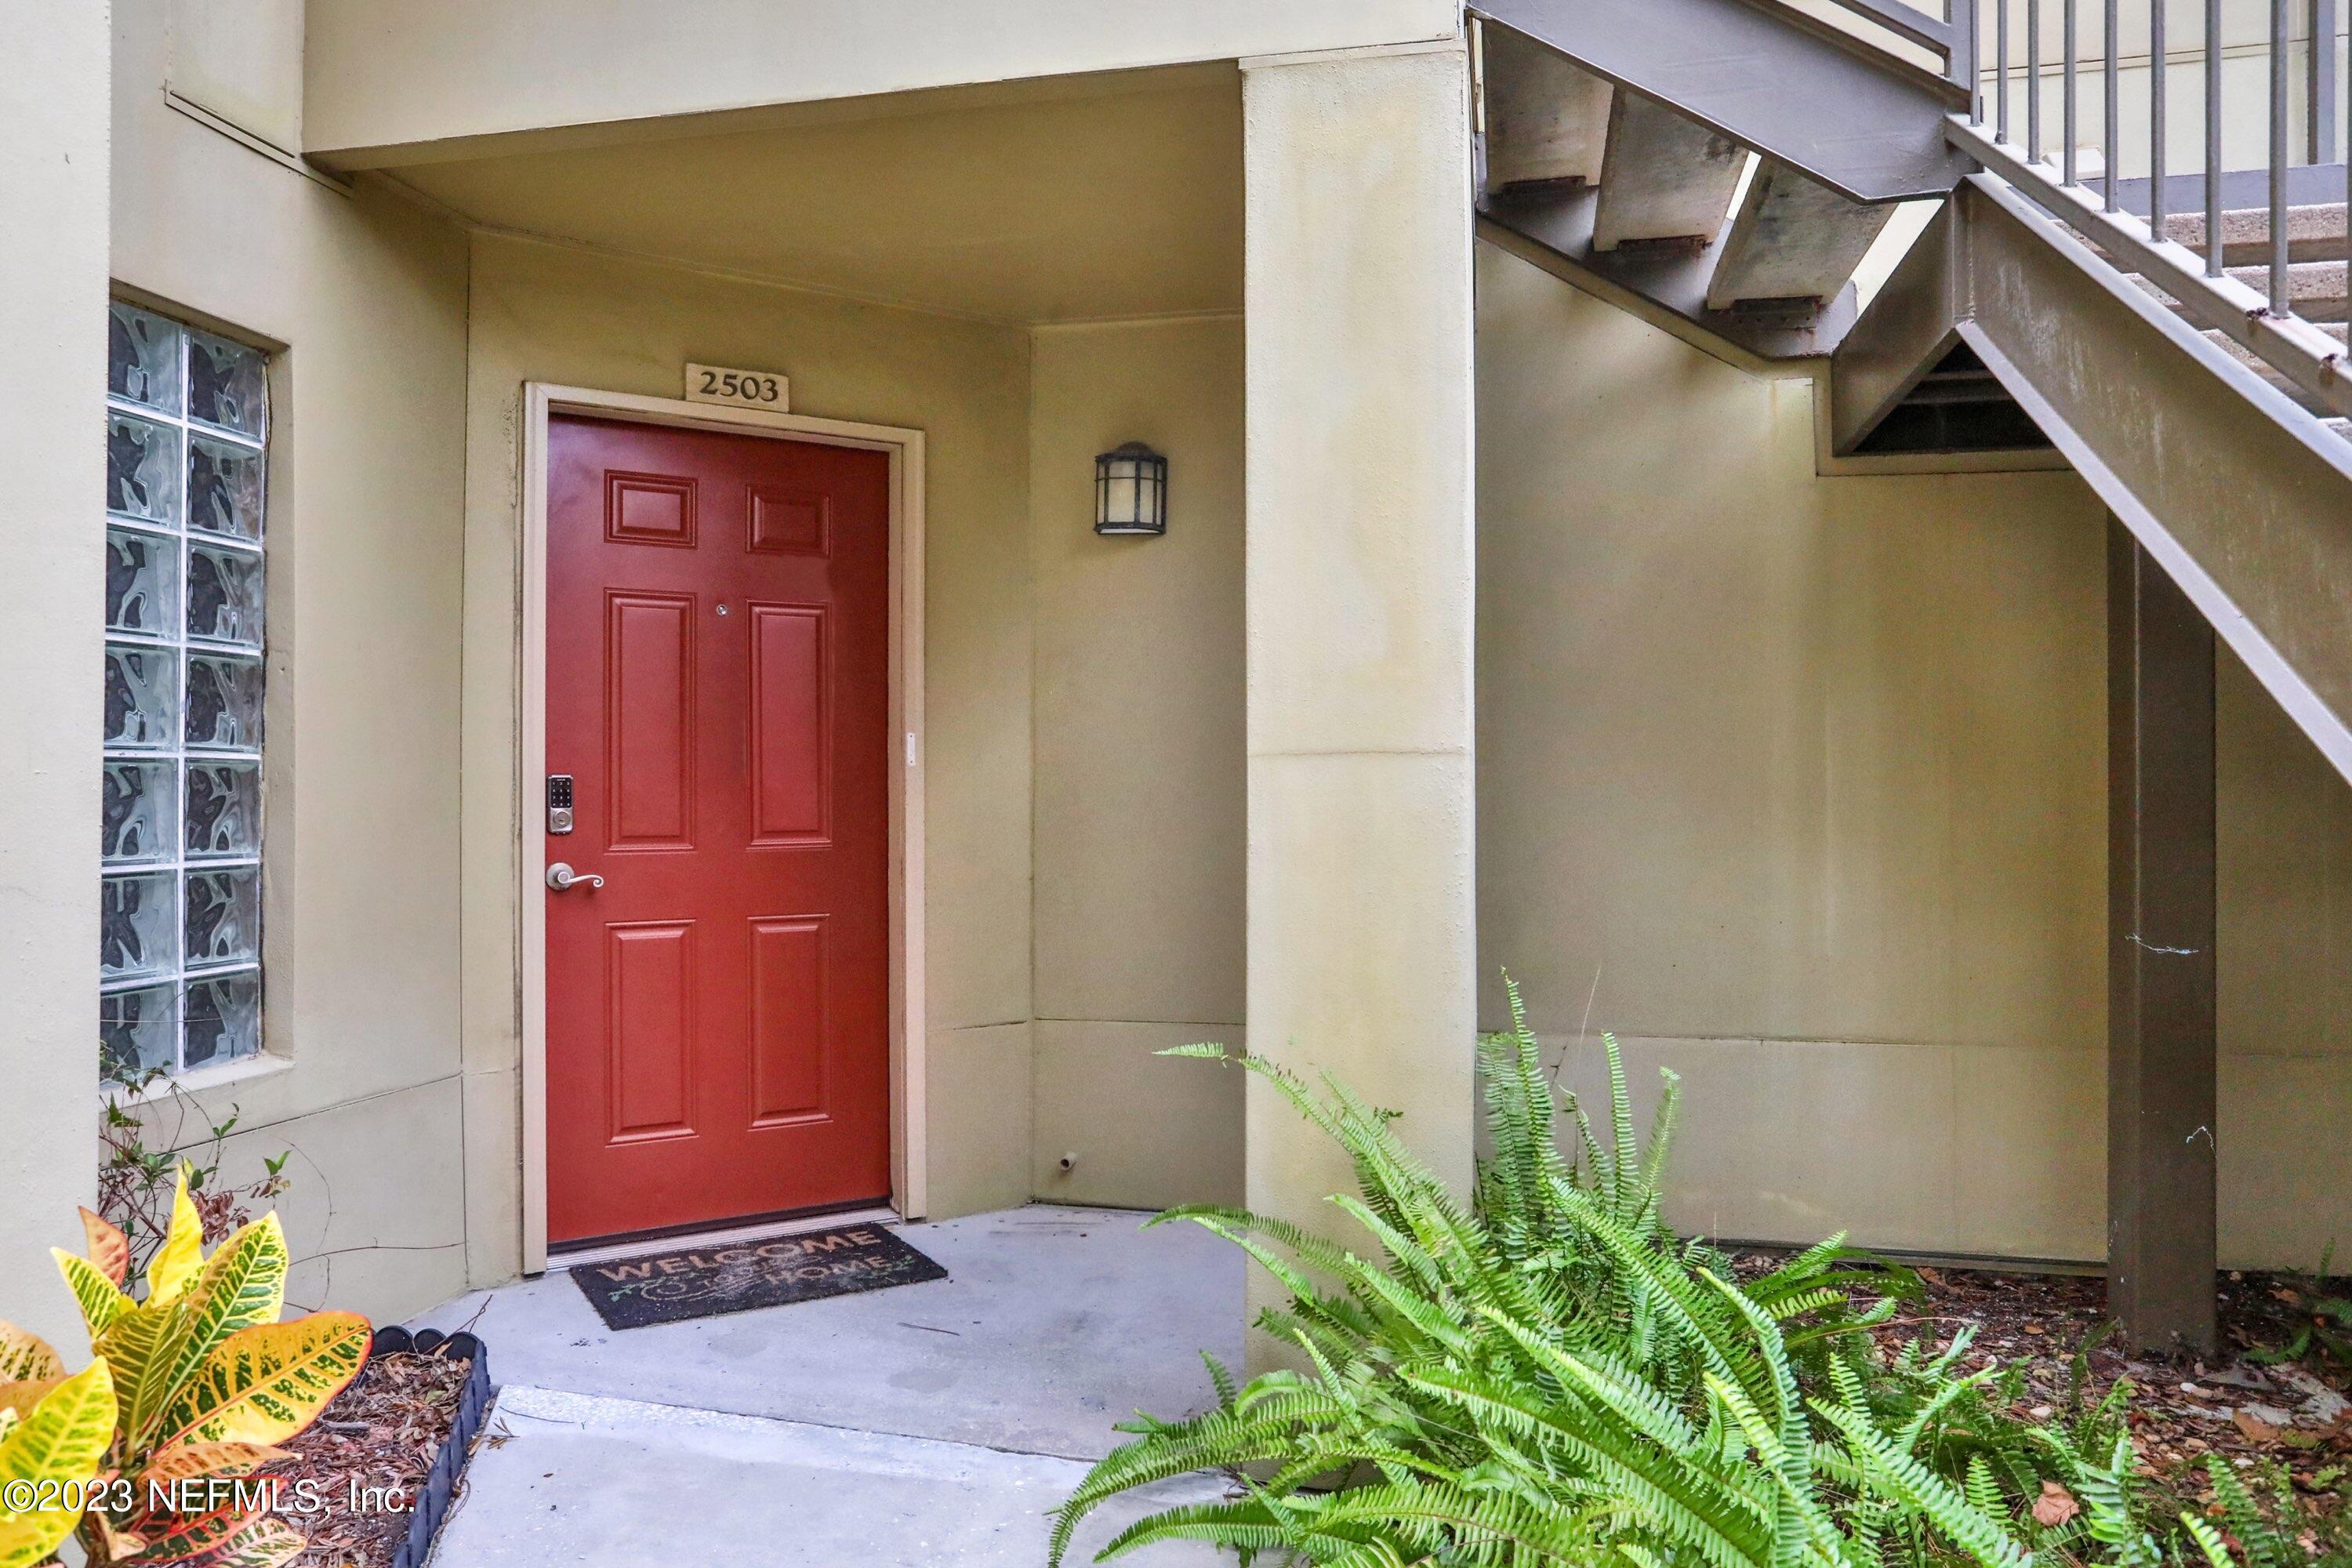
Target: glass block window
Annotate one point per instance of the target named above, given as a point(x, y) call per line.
point(180, 842)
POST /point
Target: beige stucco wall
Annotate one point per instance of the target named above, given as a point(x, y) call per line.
point(1361, 921)
point(430, 71)
point(52, 318)
point(1139, 817)
point(1798, 784)
point(365, 293)
point(242, 61)
point(2285, 952)
point(1020, 210)
point(545, 313)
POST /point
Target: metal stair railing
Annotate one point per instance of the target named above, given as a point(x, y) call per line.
point(2263, 320)
point(1939, 34)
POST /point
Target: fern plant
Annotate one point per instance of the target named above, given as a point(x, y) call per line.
point(2325, 1332)
point(1550, 1375)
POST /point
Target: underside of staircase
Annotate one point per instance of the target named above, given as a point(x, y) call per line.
point(1729, 164)
point(1728, 169)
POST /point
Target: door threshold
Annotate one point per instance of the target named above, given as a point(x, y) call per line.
point(604, 1249)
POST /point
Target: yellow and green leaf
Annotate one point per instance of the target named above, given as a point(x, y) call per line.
point(265, 1382)
point(100, 1300)
point(64, 1439)
point(232, 1537)
point(30, 1538)
point(67, 1435)
point(109, 1249)
point(25, 1355)
point(188, 1461)
point(266, 1544)
point(182, 1253)
point(137, 1345)
point(242, 1284)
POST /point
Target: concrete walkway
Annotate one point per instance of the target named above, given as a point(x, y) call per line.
point(924, 1425)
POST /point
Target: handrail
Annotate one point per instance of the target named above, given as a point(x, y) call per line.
point(2262, 321)
point(1904, 22)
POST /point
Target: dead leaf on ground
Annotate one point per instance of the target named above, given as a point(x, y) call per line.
point(2055, 1506)
point(2256, 1429)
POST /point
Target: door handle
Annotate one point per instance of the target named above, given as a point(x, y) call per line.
point(561, 876)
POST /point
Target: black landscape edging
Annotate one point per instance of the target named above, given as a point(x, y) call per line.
point(473, 1401)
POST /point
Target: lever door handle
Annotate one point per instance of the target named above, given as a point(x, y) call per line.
point(561, 876)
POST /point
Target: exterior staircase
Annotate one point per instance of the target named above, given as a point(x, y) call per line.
point(1725, 167)
point(1638, 193)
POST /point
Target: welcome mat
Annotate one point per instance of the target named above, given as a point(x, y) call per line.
point(741, 1275)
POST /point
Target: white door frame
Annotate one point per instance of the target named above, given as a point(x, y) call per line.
point(541, 399)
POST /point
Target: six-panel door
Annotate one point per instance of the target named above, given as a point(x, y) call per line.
point(717, 687)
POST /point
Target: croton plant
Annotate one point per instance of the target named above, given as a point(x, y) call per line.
point(195, 1381)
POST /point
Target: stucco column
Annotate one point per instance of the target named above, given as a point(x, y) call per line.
point(1361, 939)
point(53, 196)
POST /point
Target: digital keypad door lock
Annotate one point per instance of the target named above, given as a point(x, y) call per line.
point(558, 803)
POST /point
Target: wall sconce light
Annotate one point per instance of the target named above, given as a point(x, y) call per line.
point(1131, 491)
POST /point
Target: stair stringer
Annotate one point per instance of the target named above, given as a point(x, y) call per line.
point(1909, 326)
point(2243, 498)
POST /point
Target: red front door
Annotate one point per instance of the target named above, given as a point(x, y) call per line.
point(718, 683)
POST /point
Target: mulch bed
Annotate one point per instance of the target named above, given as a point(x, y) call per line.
point(2298, 1414)
point(383, 1432)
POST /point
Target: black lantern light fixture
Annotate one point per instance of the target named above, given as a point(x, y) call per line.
point(1131, 491)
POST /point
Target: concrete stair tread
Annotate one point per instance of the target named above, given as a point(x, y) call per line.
point(1547, 119)
point(2316, 290)
point(2261, 367)
point(1663, 177)
point(1794, 240)
point(2314, 234)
